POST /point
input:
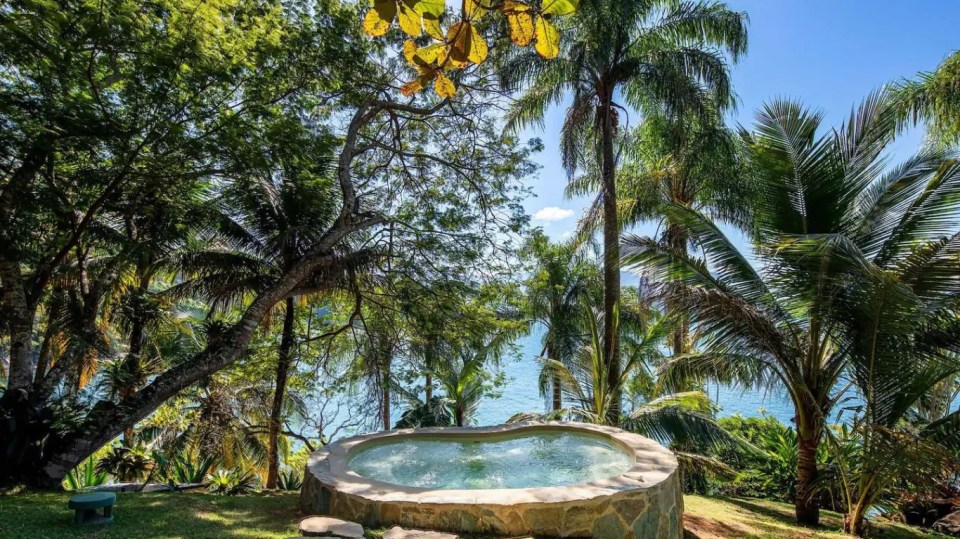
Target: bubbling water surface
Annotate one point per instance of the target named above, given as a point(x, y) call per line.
point(541, 459)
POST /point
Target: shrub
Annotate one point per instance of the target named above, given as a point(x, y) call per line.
point(289, 480)
point(232, 482)
point(126, 463)
point(84, 476)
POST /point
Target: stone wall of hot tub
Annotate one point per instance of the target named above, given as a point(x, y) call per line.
point(643, 511)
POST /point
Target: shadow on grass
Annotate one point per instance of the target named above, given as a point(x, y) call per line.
point(153, 516)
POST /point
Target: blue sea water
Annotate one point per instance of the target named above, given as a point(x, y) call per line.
point(520, 393)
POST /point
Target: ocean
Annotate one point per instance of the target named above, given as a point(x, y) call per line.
point(520, 393)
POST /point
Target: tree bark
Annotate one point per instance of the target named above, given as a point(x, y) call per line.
point(133, 362)
point(854, 523)
point(20, 315)
point(557, 397)
point(677, 240)
point(385, 404)
point(611, 254)
point(280, 388)
point(807, 505)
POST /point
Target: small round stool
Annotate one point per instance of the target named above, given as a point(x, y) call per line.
point(86, 506)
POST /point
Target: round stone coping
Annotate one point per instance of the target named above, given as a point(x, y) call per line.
point(653, 463)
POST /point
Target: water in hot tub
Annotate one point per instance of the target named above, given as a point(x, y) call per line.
point(521, 461)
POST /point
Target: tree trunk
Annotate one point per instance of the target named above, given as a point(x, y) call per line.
point(611, 254)
point(809, 431)
point(854, 522)
point(20, 315)
point(23, 423)
point(557, 397)
point(133, 362)
point(677, 240)
point(385, 405)
point(280, 388)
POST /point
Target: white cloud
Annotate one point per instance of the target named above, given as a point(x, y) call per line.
point(552, 213)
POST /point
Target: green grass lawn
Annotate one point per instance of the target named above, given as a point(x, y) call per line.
point(712, 518)
point(190, 515)
point(166, 515)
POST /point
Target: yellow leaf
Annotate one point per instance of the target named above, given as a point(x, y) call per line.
point(429, 7)
point(430, 54)
point(444, 86)
point(417, 84)
point(409, 20)
point(475, 9)
point(559, 7)
point(445, 61)
point(521, 27)
point(378, 18)
point(548, 39)
point(411, 87)
point(432, 25)
point(410, 51)
point(466, 43)
point(514, 6)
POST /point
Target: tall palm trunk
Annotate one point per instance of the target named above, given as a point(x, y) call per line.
point(677, 240)
point(428, 378)
point(385, 392)
point(280, 388)
point(611, 252)
point(557, 397)
point(809, 432)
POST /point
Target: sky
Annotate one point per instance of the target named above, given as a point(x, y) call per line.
point(827, 53)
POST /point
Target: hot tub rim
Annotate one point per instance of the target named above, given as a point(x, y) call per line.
point(652, 464)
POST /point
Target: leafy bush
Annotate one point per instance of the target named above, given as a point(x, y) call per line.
point(185, 469)
point(289, 480)
point(770, 473)
point(232, 482)
point(426, 414)
point(84, 476)
point(126, 463)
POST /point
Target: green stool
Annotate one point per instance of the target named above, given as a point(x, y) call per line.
point(86, 506)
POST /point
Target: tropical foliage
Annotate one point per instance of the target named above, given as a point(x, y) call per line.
point(233, 232)
point(662, 55)
point(856, 276)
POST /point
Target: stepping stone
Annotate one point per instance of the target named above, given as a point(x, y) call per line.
point(330, 527)
point(397, 532)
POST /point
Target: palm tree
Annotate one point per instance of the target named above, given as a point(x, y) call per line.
point(559, 281)
point(934, 97)
point(658, 52)
point(824, 198)
point(264, 225)
point(681, 419)
point(689, 159)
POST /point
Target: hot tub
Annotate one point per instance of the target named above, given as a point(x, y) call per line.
point(554, 479)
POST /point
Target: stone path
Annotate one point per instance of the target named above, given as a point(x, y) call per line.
point(334, 527)
point(397, 532)
point(330, 527)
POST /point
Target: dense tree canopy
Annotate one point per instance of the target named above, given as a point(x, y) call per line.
point(189, 118)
